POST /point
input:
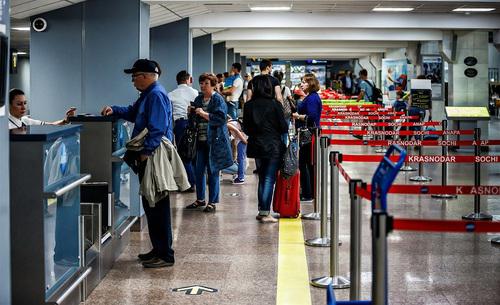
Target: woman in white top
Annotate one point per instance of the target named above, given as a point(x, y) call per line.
point(17, 112)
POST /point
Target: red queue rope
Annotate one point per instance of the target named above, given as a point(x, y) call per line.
point(397, 132)
point(364, 112)
point(370, 117)
point(416, 142)
point(483, 190)
point(380, 124)
point(424, 159)
point(343, 172)
point(453, 226)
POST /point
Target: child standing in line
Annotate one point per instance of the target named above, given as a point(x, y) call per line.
point(240, 139)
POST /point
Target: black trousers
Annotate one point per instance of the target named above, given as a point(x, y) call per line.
point(306, 172)
point(159, 224)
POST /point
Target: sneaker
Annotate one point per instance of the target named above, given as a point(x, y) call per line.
point(238, 181)
point(306, 200)
point(268, 219)
point(259, 217)
point(146, 256)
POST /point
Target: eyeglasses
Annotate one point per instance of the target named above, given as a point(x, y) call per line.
point(137, 74)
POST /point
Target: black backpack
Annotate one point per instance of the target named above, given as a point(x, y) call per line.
point(376, 93)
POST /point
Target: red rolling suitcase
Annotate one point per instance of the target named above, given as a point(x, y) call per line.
point(286, 199)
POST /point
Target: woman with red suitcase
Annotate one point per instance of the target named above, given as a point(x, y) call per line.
point(264, 123)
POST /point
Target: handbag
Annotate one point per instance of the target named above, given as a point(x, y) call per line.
point(290, 159)
point(187, 144)
point(305, 136)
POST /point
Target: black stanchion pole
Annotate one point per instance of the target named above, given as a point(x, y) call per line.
point(420, 177)
point(477, 214)
point(444, 165)
point(315, 215)
point(407, 167)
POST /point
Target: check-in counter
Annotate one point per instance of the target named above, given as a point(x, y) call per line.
point(45, 180)
point(103, 142)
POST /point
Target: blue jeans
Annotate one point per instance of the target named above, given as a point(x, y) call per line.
point(242, 160)
point(232, 110)
point(180, 126)
point(268, 169)
point(202, 166)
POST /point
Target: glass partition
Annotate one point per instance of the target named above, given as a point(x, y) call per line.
point(121, 172)
point(61, 222)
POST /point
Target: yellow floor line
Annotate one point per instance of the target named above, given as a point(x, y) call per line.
point(293, 274)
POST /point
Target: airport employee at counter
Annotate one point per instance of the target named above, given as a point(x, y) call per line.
point(152, 111)
point(17, 112)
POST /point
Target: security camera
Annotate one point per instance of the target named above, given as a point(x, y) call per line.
point(39, 24)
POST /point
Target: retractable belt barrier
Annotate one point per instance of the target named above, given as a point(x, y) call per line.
point(397, 132)
point(425, 159)
point(380, 124)
point(415, 142)
point(362, 112)
point(325, 118)
point(434, 189)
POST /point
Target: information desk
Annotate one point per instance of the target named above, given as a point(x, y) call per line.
point(103, 140)
point(45, 184)
point(468, 118)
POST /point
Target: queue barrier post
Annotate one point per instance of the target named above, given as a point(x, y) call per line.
point(323, 240)
point(315, 215)
point(355, 250)
point(334, 279)
point(382, 149)
point(407, 167)
point(444, 165)
point(421, 177)
point(477, 214)
point(381, 224)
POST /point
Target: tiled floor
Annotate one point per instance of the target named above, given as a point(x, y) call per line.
point(232, 252)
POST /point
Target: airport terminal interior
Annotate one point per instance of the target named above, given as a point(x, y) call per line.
point(231, 152)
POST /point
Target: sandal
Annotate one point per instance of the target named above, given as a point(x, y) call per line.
point(196, 205)
point(210, 208)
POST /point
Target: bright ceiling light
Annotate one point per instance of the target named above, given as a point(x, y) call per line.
point(270, 8)
point(27, 28)
point(21, 53)
point(393, 9)
point(473, 9)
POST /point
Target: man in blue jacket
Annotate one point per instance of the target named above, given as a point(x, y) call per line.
point(153, 111)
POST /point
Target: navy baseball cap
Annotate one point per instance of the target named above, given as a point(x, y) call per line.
point(144, 65)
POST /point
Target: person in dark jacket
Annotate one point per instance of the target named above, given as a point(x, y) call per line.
point(264, 123)
point(213, 148)
point(308, 115)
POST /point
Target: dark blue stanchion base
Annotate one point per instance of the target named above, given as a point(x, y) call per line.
point(330, 299)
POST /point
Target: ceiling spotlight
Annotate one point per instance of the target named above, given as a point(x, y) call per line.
point(27, 28)
point(392, 9)
point(473, 9)
point(270, 8)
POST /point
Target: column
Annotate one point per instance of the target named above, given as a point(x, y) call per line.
point(171, 47)
point(220, 57)
point(230, 59)
point(202, 57)
point(465, 90)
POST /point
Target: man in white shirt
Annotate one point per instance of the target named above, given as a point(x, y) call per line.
point(234, 91)
point(17, 112)
point(181, 99)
